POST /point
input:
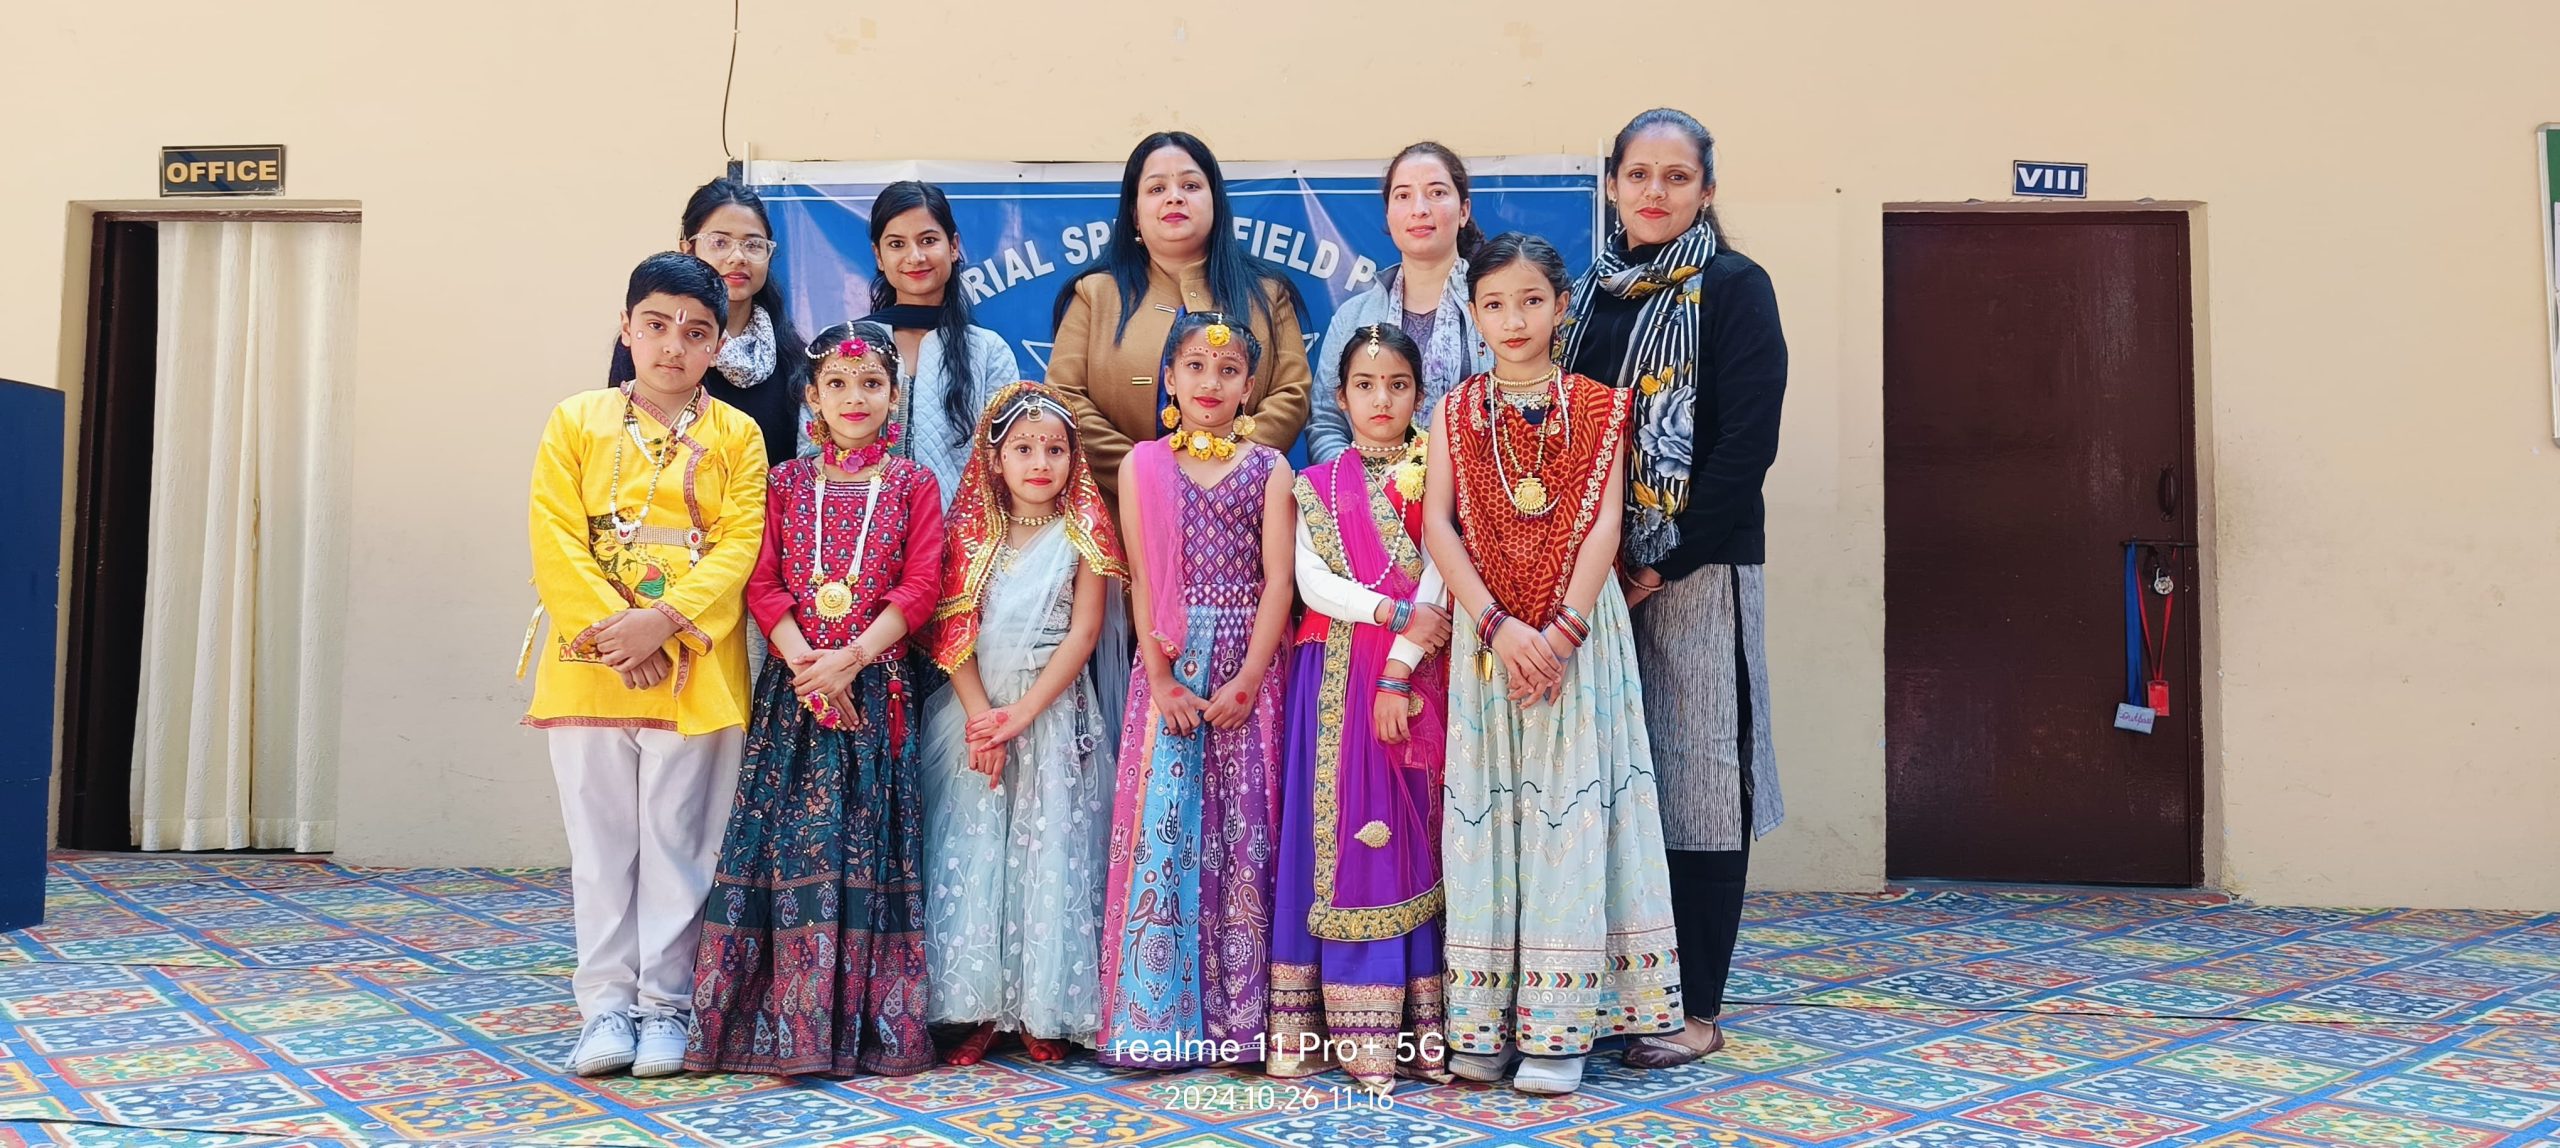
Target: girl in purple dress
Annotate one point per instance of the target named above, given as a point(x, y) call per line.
point(1186, 931)
point(1355, 950)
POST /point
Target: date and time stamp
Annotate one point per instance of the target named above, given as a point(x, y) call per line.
point(1258, 1095)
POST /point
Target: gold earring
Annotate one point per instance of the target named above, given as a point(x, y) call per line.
point(1172, 416)
point(1244, 426)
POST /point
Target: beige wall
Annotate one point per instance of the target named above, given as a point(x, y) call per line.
point(2382, 537)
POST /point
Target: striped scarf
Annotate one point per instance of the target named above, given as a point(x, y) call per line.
point(1661, 364)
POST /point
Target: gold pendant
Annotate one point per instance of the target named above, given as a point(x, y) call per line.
point(834, 600)
point(1529, 494)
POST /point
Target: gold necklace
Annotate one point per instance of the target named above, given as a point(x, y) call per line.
point(834, 598)
point(1528, 493)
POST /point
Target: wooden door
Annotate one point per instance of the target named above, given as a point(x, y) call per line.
point(2039, 406)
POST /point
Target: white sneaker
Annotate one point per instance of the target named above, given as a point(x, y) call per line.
point(604, 1048)
point(661, 1044)
point(1548, 1075)
point(1483, 1068)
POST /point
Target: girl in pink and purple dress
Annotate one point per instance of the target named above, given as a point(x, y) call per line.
point(1355, 949)
point(1186, 931)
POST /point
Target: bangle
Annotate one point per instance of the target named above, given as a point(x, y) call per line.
point(1402, 615)
point(1394, 686)
point(1575, 625)
point(1488, 621)
point(1656, 584)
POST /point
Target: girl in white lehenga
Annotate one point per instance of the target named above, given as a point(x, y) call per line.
point(1559, 902)
point(1016, 755)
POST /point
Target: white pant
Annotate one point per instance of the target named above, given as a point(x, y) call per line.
point(645, 810)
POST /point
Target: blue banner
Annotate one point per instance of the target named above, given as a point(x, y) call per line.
point(1027, 229)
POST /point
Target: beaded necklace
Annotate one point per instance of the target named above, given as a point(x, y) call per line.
point(625, 529)
point(1528, 493)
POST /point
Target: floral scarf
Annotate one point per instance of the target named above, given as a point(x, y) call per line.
point(978, 526)
point(1445, 361)
point(1661, 366)
point(747, 358)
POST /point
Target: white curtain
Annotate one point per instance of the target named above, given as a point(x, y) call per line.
point(236, 742)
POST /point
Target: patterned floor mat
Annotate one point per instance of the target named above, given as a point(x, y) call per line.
point(269, 1001)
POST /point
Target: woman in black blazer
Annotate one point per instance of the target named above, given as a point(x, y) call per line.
point(1671, 310)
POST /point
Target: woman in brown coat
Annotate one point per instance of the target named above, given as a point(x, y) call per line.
point(1172, 249)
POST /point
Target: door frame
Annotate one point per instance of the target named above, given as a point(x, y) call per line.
point(2204, 775)
point(93, 774)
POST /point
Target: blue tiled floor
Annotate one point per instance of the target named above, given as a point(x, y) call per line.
point(286, 1002)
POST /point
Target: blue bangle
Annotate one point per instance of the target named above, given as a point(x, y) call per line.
point(1401, 616)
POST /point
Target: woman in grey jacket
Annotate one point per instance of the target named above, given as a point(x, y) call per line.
point(1434, 228)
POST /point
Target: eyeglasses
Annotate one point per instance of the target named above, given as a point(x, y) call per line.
point(714, 246)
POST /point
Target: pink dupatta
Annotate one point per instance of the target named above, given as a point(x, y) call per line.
point(1160, 519)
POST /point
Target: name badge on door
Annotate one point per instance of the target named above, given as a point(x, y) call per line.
point(2135, 719)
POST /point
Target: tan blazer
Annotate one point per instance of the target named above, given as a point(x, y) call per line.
point(1112, 388)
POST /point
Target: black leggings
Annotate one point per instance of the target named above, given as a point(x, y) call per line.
point(1706, 887)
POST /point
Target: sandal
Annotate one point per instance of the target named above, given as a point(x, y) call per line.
point(974, 1048)
point(1650, 1052)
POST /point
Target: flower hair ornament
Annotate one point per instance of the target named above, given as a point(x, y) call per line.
point(855, 345)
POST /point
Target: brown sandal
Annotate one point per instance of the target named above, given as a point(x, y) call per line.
point(1651, 1052)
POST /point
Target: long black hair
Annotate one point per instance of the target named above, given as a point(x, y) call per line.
point(1469, 235)
point(1237, 281)
point(710, 197)
point(1687, 127)
point(893, 201)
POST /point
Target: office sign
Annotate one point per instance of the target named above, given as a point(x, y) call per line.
point(236, 170)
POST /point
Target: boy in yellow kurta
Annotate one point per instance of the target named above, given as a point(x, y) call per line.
point(647, 515)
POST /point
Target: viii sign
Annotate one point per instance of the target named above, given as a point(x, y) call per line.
point(2049, 180)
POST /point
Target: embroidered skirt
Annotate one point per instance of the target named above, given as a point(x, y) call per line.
point(1559, 901)
point(813, 954)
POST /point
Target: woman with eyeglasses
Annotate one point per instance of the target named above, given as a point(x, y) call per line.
point(761, 369)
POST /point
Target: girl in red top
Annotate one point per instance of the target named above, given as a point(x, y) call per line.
point(813, 953)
